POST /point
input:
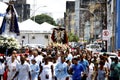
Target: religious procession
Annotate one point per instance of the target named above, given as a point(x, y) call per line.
point(56, 61)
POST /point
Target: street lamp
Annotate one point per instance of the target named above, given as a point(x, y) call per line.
point(36, 10)
point(84, 9)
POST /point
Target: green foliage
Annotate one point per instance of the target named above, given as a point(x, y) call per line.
point(73, 38)
point(44, 18)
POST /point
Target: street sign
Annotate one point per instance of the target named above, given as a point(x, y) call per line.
point(106, 34)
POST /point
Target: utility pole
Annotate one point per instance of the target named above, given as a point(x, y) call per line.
point(113, 24)
point(34, 10)
point(105, 24)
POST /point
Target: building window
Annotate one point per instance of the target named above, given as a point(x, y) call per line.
point(23, 37)
point(33, 37)
point(46, 36)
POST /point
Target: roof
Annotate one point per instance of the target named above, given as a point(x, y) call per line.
point(30, 26)
point(47, 27)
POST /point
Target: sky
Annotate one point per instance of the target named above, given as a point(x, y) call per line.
point(54, 8)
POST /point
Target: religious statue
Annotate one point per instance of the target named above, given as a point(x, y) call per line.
point(59, 35)
point(9, 27)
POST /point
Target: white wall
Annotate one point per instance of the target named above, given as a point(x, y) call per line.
point(39, 38)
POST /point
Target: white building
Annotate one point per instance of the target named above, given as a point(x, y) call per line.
point(34, 33)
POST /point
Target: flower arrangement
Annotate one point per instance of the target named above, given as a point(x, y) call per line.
point(9, 42)
point(60, 45)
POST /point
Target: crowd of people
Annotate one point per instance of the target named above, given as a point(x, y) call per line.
point(56, 63)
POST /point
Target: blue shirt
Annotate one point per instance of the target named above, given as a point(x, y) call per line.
point(84, 63)
point(34, 71)
point(61, 70)
point(77, 69)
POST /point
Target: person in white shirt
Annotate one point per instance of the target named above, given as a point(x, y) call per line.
point(12, 65)
point(23, 70)
point(69, 56)
point(2, 66)
point(46, 70)
point(91, 70)
point(37, 57)
point(30, 56)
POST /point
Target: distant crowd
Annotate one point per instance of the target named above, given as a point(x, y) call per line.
point(56, 63)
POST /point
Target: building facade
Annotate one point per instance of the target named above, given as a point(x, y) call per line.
point(117, 28)
point(70, 17)
point(111, 23)
point(77, 19)
point(93, 12)
point(22, 9)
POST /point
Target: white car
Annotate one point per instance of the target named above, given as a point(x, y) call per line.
point(93, 47)
point(35, 45)
point(111, 54)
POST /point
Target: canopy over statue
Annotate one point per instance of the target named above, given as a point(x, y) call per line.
point(9, 27)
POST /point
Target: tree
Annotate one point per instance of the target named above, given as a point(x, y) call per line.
point(44, 18)
point(73, 38)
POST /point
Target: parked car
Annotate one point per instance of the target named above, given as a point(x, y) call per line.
point(111, 54)
point(35, 45)
point(93, 47)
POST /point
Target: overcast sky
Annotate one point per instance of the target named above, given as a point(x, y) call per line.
point(55, 8)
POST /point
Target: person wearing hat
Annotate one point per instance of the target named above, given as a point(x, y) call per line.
point(115, 70)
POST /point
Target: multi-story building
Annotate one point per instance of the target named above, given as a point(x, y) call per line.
point(117, 24)
point(20, 2)
point(113, 14)
point(22, 9)
point(77, 15)
point(93, 12)
point(111, 23)
point(80, 18)
point(7, 0)
point(70, 17)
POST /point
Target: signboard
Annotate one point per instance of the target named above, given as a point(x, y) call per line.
point(106, 34)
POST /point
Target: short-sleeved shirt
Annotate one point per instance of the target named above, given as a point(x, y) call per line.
point(23, 71)
point(77, 69)
point(61, 70)
point(116, 70)
point(84, 63)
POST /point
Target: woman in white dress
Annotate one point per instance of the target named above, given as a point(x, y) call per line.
point(47, 70)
